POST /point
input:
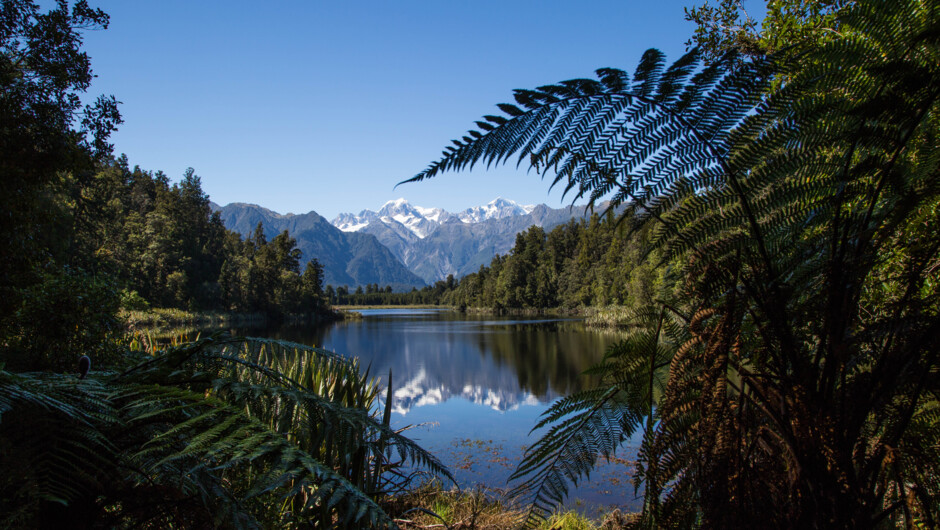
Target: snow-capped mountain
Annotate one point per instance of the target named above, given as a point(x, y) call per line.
point(348, 222)
point(421, 221)
point(434, 243)
point(498, 208)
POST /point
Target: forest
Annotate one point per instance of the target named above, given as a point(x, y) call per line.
point(164, 246)
point(771, 223)
point(580, 264)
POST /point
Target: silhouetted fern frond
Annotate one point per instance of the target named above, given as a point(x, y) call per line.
point(592, 424)
point(233, 430)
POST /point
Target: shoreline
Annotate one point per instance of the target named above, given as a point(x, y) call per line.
point(612, 317)
point(167, 318)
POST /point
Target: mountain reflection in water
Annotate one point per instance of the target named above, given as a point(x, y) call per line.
point(437, 355)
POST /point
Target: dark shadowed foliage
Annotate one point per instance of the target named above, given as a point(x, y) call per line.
point(794, 384)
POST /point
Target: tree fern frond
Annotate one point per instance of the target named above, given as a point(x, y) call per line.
point(571, 447)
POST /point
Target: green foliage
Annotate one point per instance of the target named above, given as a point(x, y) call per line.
point(165, 243)
point(132, 301)
point(728, 26)
point(42, 74)
point(801, 362)
point(229, 432)
point(576, 264)
point(69, 313)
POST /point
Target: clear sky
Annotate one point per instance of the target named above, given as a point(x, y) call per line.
point(325, 106)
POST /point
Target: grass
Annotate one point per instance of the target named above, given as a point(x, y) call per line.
point(608, 317)
point(430, 507)
point(168, 318)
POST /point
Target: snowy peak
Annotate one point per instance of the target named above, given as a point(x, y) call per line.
point(348, 222)
point(438, 215)
point(401, 211)
point(421, 221)
point(498, 208)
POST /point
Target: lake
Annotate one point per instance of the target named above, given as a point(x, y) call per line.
point(473, 387)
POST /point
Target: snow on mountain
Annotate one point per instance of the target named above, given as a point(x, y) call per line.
point(401, 211)
point(423, 221)
point(498, 208)
point(438, 215)
point(348, 222)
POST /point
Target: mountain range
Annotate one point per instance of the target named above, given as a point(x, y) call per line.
point(434, 243)
point(348, 258)
point(400, 245)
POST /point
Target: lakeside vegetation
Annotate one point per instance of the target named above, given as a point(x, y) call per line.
point(168, 317)
point(481, 510)
point(772, 245)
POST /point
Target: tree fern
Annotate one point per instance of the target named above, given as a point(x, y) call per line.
point(799, 196)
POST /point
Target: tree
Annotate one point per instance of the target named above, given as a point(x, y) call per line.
point(781, 390)
point(312, 279)
point(728, 26)
point(46, 163)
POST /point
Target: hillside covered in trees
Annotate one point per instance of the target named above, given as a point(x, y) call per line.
point(160, 244)
point(582, 263)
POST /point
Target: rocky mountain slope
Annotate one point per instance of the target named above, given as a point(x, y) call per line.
point(348, 258)
point(401, 245)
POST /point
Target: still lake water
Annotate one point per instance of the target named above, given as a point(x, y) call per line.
point(474, 386)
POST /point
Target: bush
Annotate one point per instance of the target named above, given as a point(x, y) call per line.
point(132, 301)
point(67, 314)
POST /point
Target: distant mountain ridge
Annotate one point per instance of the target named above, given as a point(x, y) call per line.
point(401, 245)
point(434, 243)
point(348, 258)
point(422, 222)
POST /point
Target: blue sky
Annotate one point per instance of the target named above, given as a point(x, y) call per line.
point(325, 106)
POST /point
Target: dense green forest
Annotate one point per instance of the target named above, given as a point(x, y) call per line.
point(595, 262)
point(165, 247)
point(581, 263)
point(127, 238)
